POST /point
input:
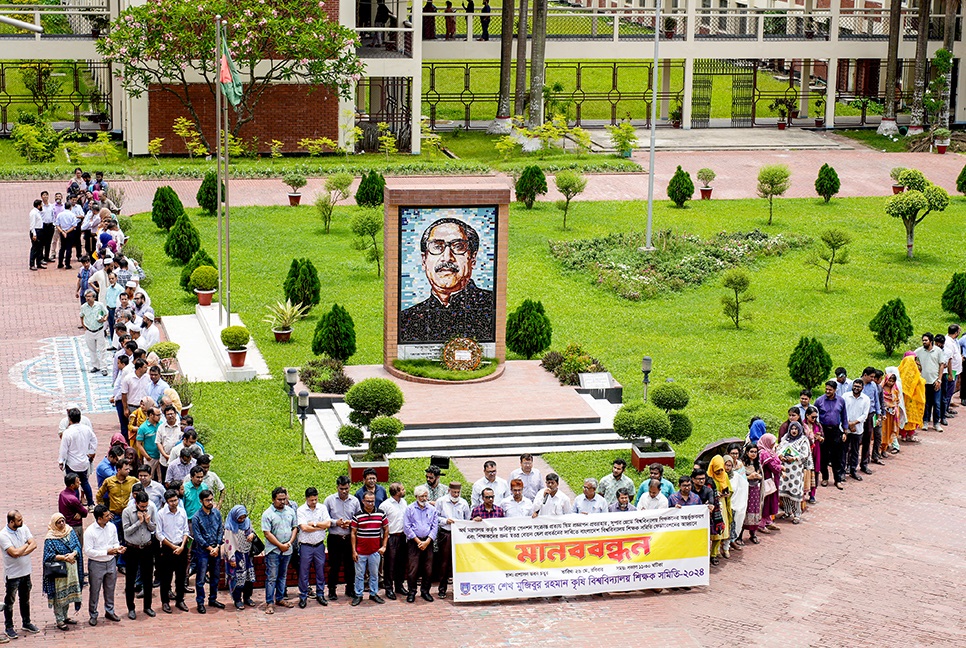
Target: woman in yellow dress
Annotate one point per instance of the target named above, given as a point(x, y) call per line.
point(913, 396)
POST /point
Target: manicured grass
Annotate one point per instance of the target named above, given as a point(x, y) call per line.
point(481, 147)
point(432, 369)
point(873, 140)
point(731, 375)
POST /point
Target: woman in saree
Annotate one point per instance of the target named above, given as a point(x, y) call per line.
point(913, 396)
point(721, 536)
point(814, 432)
point(795, 453)
point(739, 499)
point(61, 546)
point(894, 417)
point(237, 550)
point(753, 473)
point(772, 467)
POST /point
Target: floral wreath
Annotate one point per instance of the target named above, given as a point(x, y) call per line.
point(455, 354)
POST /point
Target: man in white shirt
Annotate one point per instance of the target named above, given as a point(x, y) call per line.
point(590, 501)
point(99, 280)
point(529, 475)
point(610, 484)
point(517, 505)
point(149, 332)
point(952, 357)
point(653, 499)
point(64, 422)
point(154, 490)
point(169, 435)
point(857, 407)
point(501, 489)
point(36, 220)
point(451, 507)
point(314, 521)
point(102, 548)
point(394, 565)
point(77, 449)
point(931, 362)
point(173, 533)
point(135, 387)
point(16, 545)
point(550, 500)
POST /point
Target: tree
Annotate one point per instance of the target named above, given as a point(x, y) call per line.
point(501, 125)
point(680, 188)
point(810, 364)
point(373, 402)
point(168, 45)
point(834, 252)
point(888, 124)
point(773, 180)
point(570, 184)
point(288, 286)
point(366, 226)
point(912, 205)
point(335, 335)
point(936, 100)
point(954, 296)
point(891, 326)
point(636, 421)
point(336, 190)
point(166, 208)
point(961, 181)
point(918, 116)
point(183, 240)
point(827, 183)
point(200, 258)
point(523, 37)
point(672, 398)
point(531, 183)
point(538, 70)
point(370, 191)
point(737, 281)
point(302, 286)
point(208, 193)
point(528, 329)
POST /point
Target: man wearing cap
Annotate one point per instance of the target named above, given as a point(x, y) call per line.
point(450, 507)
point(149, 332)
point(93, 317)
point(134, 330)
point(98, 280)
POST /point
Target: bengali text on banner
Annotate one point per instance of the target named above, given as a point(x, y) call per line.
point(580, 554)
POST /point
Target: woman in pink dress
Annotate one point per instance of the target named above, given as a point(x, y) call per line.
point(771, 466)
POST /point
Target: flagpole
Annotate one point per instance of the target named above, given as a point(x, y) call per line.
point(227, 212)
point(221, 294)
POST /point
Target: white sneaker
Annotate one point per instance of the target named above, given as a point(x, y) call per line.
point(939, 428)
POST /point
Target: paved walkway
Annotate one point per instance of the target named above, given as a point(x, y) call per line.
point(881, 561)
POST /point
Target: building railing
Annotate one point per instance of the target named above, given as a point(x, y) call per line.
point(386, 42)
point(72, 19)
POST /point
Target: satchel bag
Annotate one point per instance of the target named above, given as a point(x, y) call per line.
point(55, 569)
point(258, 546)
point(768, 487)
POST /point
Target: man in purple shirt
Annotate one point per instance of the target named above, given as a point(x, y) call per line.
point(420, 525)
point(69, 505)
point(684, 496)
point(834, 421)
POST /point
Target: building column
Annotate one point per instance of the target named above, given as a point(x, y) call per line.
point(832, 82)
point(805, 85)
point(688, 93)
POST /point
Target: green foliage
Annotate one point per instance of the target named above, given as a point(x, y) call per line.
point(190, 135)
point(302, 286)
point(325, 375)
point(896, 174)
point(670, 396)
point(773, 181)
point(235, 338)
point(317, 146)
point(132, 251)
point(681, 428)
point(570, 184)
point(961, 181)
point(370, 191)
point(528, 329)
point(208, 193)
point(294, 180)
point(573, 361)
point(200, 258)
point(43, 85)
point(383, 431)
point(387, 140)
point(954, 296)
point(371, 398)
point(737, 281)
point(154, 148)
point(35, 140)
point(506, 146)
point(288, 286)
point(827, 183)
point(366, 225)
point(183, 240)
point(531, 183)
point(204, 277)
point(283, 316)
point(435, 370)
point(835, 252)
point(336, 190)
point(165, 350)
point(635, 421)
point(913, 179)
point(166, 208)
point(912, 205)
point(809, 364)
point(680, 189)
point(891, 326)
point(551, 360)
point(706, 176)
point(623, 136)
point(103, 147)
point(335, 335)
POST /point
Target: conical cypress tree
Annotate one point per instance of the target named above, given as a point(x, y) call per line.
point(891, 326)
point(680, 189)
point(809, 365)
point(954, 297)
point(302, 286)
point(166, 208)
point(370, 192)
point(208, 193)
point(335, 335)
point(827, 183)
point(528, 329)
point(183, 240)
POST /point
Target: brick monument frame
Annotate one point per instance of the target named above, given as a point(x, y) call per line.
point(407, 193)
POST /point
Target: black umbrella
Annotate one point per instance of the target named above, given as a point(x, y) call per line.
point(719, 447)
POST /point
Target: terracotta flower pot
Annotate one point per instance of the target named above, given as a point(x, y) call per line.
point(782, 125)
point(237, 358)
point(643, 456)
point(898, 188)
point(357, 467)
point(819, 122)
point(706, 193)
point(204, 297)
point(941, 148)
point(185, 409)
point(282, 336)
point(294, 199)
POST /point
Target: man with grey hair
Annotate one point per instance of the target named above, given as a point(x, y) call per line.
point(420, 524)
point(450, 507)
point(590, 501)
point(93, 315)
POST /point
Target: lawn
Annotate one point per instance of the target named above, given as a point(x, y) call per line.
point(731, 374)
point(873, 140)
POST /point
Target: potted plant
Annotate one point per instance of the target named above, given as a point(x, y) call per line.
point(282, 317)
point(167, 352)
point(783, 107)
point(820, 111)
point(623, 137)
point(675, 114)
point(651, 430)
point(374, 401)
point(706, 176)
point(940, 137)
point(897, 187)
point(186, 391)
point(809, 28)
point(235, 339)
point(99, 23)
point(295, 181)
point(204, 281)
point(670, 27)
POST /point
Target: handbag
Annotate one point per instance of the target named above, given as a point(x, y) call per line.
point(55, 569)
point(258, 546)
point(768, 487)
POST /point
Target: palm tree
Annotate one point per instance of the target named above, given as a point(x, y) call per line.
point(919, 86)
point(501, 125)
point(520, 101)
point(537, 62)
point(888, 124)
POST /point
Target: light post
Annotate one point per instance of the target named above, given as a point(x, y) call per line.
point(291, 377)
point(650, 169)
point(646, 370)
point(303, 409)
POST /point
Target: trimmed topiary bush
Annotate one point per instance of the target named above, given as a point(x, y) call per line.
point(961, 181)
point(207, 195)
point(681, 428)
point(183, 240)
point(954, 296)
point(302, 285)
point(827, 183)
point(200, 258)
point(891, 326)
point(531, 183)
point(166, 208)
point(670, 396)
point(335, 334)
point(370, 191)
point(636, 421)
point(809, 364)
point(235, 338)
point(325, 375)
point(374, 401)
point(680, 189)
point(204, 278)
point(528, 329)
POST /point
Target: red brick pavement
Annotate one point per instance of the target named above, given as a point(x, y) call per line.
point(879, 564)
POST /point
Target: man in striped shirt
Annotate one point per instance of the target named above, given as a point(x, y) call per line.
point(370, 533)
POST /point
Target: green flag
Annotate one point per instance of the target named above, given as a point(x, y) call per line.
point(228, 76)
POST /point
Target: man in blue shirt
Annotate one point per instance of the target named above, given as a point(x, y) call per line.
point(420, 524)
point(207, 530)
point(870, 389)
point(108, 465)
point(834, 421)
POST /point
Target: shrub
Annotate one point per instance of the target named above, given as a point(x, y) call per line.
point(896, 173)
point(570, 184)
point(680, 189)
point(295, 180)
point(636, 421)
point(235, 338)
point(200, 258)
point(528, 329)
point(737, 281)
point(809, 364)
point(531, 183)
point(961, 181)
point(373, 401)
point(370, 191)
point(165, 350)
point(335, 334)
point(891, 326)
point(293, 274)
point(706, 176)
point(132, 251)
point(670, 396)
point(367, 225)
point(681, 428)
point(382, 435)
point(551, 360)
point(166, 208)
point(827, 183)
point(773, 180)
point(303, 286)
point(183, 240)
point(283, 316)
point(325, 375)
point(336, 189)
point(208, 193)
point(624, 137)
point(576, 361)
point(954, 296)
point(124, 223)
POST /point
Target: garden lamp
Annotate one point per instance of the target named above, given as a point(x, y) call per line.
point(303, 409)
point(646, 370)
point(291, 377)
